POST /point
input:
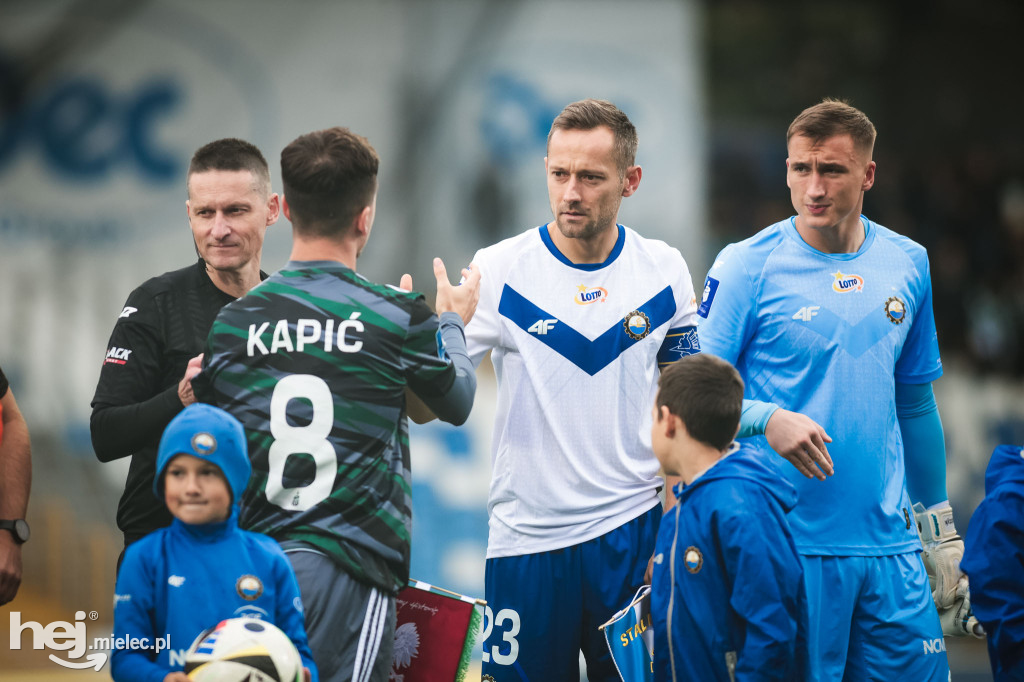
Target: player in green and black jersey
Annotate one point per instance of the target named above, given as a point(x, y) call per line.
point(316, 363)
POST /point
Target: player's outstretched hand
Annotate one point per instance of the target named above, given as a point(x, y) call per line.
point(461, 298)
point(185, 394)
point(801, 441)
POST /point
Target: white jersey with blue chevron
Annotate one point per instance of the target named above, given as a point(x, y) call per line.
point(829, 335)
point(576, 349)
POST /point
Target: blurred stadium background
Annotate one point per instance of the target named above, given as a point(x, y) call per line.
point(104, 101)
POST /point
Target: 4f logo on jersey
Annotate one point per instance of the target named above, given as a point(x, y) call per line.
point(842, 284)
point(895, 310)
point(128, 310)
point(117, 356)
point(542, 327)
point(587, 295)
point(806, 313)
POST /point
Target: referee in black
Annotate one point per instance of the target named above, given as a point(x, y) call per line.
point(164, 323)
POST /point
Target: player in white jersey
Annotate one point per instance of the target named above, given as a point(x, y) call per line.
point(830, 314)
point(580, 314)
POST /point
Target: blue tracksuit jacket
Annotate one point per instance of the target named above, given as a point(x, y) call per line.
point(994, 562)
point(180, 580)
point(728, 601)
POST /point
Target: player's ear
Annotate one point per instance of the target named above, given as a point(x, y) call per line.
point(274, 209)
point(633, 174)
point(869, 177)
point(285, 208)
point(667, 421)
point(364, 221)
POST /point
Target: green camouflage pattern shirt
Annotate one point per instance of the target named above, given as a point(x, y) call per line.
point(314, 362)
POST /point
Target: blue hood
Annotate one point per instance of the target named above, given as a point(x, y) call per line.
point(209, 433)
point(749, 463)
point(1006, 464)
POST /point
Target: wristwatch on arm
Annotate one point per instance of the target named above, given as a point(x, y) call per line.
point(18, 527)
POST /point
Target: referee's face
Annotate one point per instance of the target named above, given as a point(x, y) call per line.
point(229, 216)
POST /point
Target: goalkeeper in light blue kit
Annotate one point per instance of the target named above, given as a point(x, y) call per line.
point(830, 314)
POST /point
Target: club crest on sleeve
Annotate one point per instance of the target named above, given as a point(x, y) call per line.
point(637, 325)
point(204, 444)
point(586, 295)
point(249, 587)
point(895, 310)
point(693, 559)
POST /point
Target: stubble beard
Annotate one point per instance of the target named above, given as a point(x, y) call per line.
point(588, 231)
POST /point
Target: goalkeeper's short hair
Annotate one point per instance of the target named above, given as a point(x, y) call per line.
point(706, 393)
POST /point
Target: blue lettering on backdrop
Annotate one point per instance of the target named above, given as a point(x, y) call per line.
point(85, 132)
point(516, 119)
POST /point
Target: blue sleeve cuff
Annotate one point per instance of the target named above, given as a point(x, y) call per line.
point(754, 418)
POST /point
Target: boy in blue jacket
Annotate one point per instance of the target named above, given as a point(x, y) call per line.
point(202, 569)
point(727, 599)
point(994, 558)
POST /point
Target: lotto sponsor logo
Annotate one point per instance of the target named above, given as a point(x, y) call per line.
point(842, 284)
point(117, 356)
point(587, 295)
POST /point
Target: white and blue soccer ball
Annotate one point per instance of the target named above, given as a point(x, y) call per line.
point(243, 650)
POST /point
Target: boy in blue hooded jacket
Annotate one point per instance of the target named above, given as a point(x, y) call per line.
point(994, 558)
point(727, 599)
point(202, 569)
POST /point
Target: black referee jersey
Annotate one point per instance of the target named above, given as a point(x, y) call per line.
point(163, 325)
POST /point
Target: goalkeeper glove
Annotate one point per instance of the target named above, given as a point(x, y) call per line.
point(958, 620)
point(943, 550)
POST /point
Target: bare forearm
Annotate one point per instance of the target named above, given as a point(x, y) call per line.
point(15, 462)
